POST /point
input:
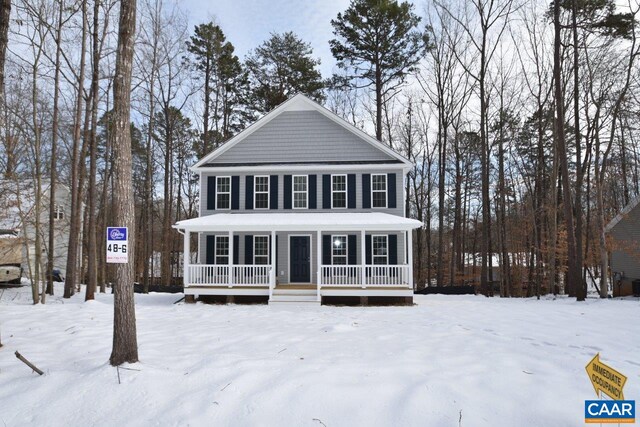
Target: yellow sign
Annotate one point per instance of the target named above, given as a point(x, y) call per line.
point(605, 379)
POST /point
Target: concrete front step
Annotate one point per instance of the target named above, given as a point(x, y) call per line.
point(293, 303)
point(300, 298)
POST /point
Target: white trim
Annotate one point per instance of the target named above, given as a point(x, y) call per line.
point(386, 238)
point(346, 244)
point(293, 192)
point(289, 257)
point(299, 221)
point(386, 191)
point(371, 292)
point(297, 103)
point(217, 192)
point(319, 168)
point(262, 192)
point(346, 190)
point(254, 248)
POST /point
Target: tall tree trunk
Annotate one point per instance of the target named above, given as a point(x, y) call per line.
point(580, 289)
point(76, 161)
point(125, 345)
point(92, 270)
point(54, 155)
point(573, 273)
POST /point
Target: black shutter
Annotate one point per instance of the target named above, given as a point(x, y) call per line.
point(367, 249)
point(248, 249)
point(326, 191)
point(393, 249)
point(313, 192)
point(273, 190)
point(287, 192)
point(351, 191)
point(366, 191)
point(353, 250)
point(276, 255)
point(391, 190)
point(326, 250)
point(211, 193)
point(248, 200)
point(236, 249)
point(211, 249)
point(235, 192)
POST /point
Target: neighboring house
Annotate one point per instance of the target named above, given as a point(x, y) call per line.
point(301, 206)
point(17, 225)
point(624, 241)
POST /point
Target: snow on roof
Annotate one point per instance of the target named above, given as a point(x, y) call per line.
point(325, 221)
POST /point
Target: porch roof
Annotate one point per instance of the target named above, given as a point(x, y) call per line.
point(323, 221)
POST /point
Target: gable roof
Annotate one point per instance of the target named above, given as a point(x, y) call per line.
point(297, 108)
point(632, 205)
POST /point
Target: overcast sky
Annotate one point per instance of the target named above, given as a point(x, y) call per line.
point(247, 23)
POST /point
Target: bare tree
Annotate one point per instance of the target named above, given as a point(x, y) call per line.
point(125, 344)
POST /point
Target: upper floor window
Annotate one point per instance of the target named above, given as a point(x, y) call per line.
point(58, 211)
point(338, 191)
point(380, 247)
point(300, 191)
point(222, 249)
point(223, 192)
point(261, 250)
point(261, 192)
point(339, 250)
point(379, 190)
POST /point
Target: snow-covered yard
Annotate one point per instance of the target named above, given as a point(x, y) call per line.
point(447, 361)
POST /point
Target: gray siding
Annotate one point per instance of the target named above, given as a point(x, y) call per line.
point(296, 136)
point(625, 237)
point(282, 275)
point(398, 210)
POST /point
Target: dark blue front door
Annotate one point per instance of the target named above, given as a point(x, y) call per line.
point(300, 259)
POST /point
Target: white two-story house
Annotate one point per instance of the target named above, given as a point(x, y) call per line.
point(301, 206)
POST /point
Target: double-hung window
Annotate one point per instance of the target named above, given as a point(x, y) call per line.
point(261, 250)
point(58, 211)
point(339, 250)
point(223, 192)
point(261, 192)
point(222, 249)
point(380, 249)
point(300, 191)
point(379, 190)
point(338, 191)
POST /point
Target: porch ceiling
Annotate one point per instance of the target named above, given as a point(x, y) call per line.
point(322, 221)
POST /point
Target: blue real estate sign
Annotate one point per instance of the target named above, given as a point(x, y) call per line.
point(117, 245)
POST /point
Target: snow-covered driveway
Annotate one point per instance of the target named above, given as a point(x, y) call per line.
point(447, 361)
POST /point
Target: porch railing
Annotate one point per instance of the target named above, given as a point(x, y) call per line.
point(374, 275)
point(218, 275)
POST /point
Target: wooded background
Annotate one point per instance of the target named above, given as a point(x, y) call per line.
point(521, 119)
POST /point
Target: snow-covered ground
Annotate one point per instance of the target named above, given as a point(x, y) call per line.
point(447, 361)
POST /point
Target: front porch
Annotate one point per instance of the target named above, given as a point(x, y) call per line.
point(301, 259)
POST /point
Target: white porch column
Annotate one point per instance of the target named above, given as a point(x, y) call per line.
point(319, 261)
point(187, 258)
point(274, 267)
point(363, 258)
point(410, 257)
point(230, 259)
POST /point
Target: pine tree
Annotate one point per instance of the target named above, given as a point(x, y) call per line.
point(278, 69)
point(379, 42)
